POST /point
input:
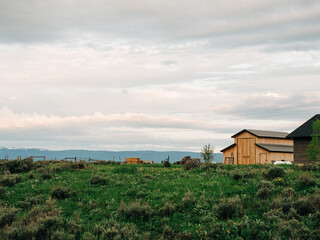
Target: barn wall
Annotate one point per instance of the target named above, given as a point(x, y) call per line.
point(262, 156)
point(245, 135)
point(275, 156)
point(275, 141)
point(227, 153)
point(299, 149)
point(246, 149)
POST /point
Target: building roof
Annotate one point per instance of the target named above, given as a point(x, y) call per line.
point(305, 130)
point(264, 134)
point(232, 145)
point(276, 147)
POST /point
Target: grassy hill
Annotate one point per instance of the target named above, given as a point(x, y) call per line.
point(61, 200)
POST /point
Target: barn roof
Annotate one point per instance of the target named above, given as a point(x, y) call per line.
point(264, 134)
point(232, 145)
point(305, 130)
point(276, 147)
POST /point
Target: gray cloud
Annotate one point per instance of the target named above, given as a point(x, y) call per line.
point(165, 75)
point(222, 23)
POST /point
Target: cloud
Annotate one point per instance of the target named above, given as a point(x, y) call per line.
point(222, 23)
point(155, 74)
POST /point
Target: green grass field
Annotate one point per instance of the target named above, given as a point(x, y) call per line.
point(61, 201)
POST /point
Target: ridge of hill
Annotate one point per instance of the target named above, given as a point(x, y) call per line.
point(156, 156)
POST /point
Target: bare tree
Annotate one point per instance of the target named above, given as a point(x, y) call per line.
point(207, 153)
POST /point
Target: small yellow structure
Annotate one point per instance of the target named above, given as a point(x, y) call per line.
point(133, 161)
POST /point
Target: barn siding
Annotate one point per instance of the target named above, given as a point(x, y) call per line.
point(259, 153)
point(228, 153)
point(275, 156)
point(275, 141)
point(300, 145)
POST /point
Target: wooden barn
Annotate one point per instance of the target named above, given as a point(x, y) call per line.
point(301, 139)
point(257, 146)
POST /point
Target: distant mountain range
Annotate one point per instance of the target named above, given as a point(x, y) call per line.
point(156, 156)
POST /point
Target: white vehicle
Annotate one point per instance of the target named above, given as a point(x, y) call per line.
point(282, 162)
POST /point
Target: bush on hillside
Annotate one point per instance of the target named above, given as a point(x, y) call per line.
point(135, 210)
point(99, 180)
point(111, 229)
point(61, 193)
point(229, 208)
point(208, 166)
point(7, 215)
point(166, 164)
point(306, 181)
point(167, 209)
point(265, 189)
point(18, 166)
point(29, 202)
point(45, 176)
point(191, 164)
point(2, 192)
point(10, 180)
point(275, 172)
point(303, 206)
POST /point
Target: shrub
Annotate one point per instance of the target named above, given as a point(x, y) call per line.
point(10, 180)
point(46, 226)
point(19, 233)
point(45, 176)
point(75, 227)
point(7, 216)
point(19, 166)
point(229, 208)
point(39, 223)
point(284, 204)
point(236, 176)
point(191, 163)
point(208, 166)
point(307, 181)
point(166, 164)
point(188, 200)
point(167, 209)
point(31, 201)
point(2, 192)
point(310, 167)
point(288, 192)
point(99, 180)
point(314, 200)
point(275, 172)
point(74, 165)
point(61, 193)
point(264, 193)
point(135, 210)
point(31, 175)
point(303, 206)
point(114, 230)
point(43, 170)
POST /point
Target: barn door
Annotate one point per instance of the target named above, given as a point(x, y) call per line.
point(246, 151)
point(263, 158)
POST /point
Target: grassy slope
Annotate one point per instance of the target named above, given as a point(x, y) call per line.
point(194, 195)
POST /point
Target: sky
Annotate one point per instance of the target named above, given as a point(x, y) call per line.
point(155, 75)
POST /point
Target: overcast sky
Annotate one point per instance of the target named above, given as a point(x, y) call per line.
point(155, 75)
